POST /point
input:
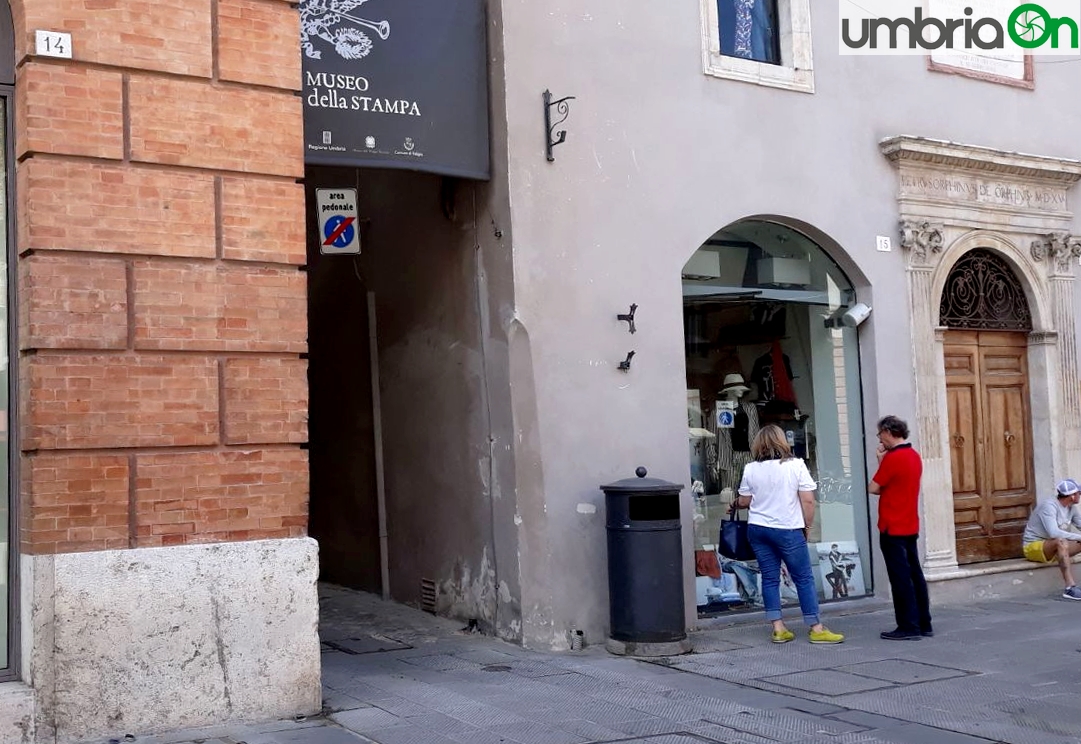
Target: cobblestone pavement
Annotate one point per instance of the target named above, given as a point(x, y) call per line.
point(1004, 671)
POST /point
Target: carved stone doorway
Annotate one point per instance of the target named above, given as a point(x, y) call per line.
point(959, 202)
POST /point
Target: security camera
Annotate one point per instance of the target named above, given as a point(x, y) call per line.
point(855, 315)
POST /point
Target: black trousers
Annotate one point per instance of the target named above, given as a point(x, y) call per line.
point(910, 602)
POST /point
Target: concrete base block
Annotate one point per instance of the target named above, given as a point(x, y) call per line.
point(156, 639)
point(16, 713)
point(630, 648)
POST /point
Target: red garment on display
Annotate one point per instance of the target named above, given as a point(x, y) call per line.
point(782, 383)
point(706, 564)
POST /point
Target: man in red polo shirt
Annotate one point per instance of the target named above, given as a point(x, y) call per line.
point(898, 483)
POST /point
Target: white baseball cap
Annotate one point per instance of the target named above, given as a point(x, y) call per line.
point(1067, 487)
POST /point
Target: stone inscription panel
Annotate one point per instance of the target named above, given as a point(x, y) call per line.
point(972, 190)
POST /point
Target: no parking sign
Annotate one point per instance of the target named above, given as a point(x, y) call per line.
point(338, 230)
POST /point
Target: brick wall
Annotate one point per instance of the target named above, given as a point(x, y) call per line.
point(162, 315)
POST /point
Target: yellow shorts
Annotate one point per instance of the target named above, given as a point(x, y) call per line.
point(1034, 552)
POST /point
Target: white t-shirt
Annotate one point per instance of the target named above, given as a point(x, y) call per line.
point(773, 486)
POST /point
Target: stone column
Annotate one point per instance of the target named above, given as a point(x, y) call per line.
point(922, 241)
point(1060, 251)
point(1048, 445)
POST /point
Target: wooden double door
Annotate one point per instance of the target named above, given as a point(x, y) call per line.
point(990, 425)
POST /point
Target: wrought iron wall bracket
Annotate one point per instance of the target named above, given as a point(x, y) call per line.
point(629, 317)
point(625, 365)
point(564, 110)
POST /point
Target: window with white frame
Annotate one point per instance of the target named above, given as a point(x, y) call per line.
point(767, 42)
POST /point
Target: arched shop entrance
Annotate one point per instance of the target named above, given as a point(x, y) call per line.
point(765, 343)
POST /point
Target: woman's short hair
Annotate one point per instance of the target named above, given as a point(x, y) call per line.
point(770, 444)
point(894, 426)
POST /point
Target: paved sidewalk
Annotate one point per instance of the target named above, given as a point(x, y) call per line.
point(1004, 671)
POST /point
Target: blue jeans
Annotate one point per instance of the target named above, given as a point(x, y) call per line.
point(747, 576)
point(771, 547)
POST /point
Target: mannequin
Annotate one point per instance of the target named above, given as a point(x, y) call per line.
point(734, 444)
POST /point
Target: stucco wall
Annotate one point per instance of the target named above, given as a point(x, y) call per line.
point(659, 156)
point(440, 265)
point(440, 301)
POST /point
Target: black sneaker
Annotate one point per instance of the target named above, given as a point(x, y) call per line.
point(927, 633)
point(899, 635)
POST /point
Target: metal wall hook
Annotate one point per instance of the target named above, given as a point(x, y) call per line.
point(561, 107)
point(629, 317)
point(625, 366)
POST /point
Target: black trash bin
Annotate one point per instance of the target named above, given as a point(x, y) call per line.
point(645, 561)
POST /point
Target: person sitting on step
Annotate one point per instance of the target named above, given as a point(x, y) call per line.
point(1048, 538)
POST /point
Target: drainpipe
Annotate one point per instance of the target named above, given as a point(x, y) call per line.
point(377, 429)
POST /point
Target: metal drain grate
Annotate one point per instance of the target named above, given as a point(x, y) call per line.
point(427, 595)
point(366, 644)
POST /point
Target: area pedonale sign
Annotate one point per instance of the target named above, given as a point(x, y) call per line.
point(396, 84)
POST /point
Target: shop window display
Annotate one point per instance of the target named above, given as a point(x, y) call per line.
point(764, 345)
point(748, 29)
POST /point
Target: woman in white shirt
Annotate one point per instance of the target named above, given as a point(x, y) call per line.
point(780, 492)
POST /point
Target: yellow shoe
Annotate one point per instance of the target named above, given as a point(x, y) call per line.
point(825, 636)
point(783, 636)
